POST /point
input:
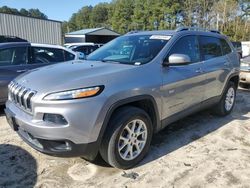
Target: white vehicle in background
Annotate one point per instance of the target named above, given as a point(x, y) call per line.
point(47, 53)
point(70, 45)
point(245, 72)
point(84, 48)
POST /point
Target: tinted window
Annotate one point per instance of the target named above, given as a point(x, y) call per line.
point(189, 46)
point(225, 47)
point(47, 55)
point(69, 56)
point(210, 47)
point(13, 56)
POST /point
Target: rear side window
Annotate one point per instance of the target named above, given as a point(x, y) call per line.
point(210, 47)
point(226, 49)
point(68, 56)
point(187, 45)
point(47, 55)
point(13, 56)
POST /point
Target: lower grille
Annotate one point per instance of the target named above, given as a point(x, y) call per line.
point(21, 95)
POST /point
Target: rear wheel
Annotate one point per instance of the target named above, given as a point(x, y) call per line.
point(226, 104)
point(128, 138)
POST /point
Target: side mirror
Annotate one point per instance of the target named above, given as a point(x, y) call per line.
point(177, 59)
point(81, 56)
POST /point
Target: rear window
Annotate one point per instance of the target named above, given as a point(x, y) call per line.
point(210, 47)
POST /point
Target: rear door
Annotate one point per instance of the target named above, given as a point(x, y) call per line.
point(216, 65)
point(13, 61)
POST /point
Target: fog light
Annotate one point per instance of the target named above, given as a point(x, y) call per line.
point(55, 118)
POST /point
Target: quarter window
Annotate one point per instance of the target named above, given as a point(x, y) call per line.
point(210, 47)
point(226, 49)
point(13, 56)
point(69, 56)
point(189, 46)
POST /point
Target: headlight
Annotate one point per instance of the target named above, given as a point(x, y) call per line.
point(75, 94)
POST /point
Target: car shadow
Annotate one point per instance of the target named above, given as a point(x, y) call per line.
point(192, 128)
point(18, 168)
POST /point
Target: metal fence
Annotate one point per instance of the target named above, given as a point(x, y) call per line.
point(32, 29)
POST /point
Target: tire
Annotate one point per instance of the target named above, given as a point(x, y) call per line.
point(118, 127)
point(221, 108)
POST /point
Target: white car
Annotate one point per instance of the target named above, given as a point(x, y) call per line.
point(245, 72)
point(53, 53)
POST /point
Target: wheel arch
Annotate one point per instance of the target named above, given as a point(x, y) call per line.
point(145, 102)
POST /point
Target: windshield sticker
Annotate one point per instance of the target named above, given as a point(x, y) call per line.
point(160, 37)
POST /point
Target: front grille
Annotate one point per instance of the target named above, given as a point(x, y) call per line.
point(21, 96)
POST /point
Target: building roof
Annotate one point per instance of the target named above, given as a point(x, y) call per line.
point(95, 31)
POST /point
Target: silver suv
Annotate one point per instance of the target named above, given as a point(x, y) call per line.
point(123, 93)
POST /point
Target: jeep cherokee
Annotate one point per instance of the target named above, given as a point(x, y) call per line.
point(125, 92)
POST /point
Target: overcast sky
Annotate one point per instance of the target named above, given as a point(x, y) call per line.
point(55, 9)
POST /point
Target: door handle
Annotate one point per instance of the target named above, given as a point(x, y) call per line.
point(20, 71)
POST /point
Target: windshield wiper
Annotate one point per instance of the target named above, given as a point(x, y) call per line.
point(110, 60)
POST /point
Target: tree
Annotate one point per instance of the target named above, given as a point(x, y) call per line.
point(23, 12)
point(122, 15)
point(36, 13)
point(231, 17)
point(99, 15)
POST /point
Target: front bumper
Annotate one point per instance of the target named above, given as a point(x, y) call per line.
point(62, 148)
point(78, 138)
point(245, 77)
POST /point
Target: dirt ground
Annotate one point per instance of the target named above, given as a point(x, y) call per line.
point(199, 151)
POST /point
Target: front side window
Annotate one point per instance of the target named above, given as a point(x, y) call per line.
point(210, 47)
point(226, 49)
point(187, 45)
point(13, 56)
point(47, 55)
point(135, 49)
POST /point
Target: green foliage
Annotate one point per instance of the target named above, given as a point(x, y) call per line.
point(232, 17)
point(36, 13)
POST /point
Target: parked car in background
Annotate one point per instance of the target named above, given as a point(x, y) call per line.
point(19, 57)
point(123, 93)
point(245, 72)
point(4, 39)
point(85, 48)
point(238, 47)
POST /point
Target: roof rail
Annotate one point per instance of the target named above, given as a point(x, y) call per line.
point(133, 31)
point(196, 29)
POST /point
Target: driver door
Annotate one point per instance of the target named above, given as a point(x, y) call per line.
point(183, 85)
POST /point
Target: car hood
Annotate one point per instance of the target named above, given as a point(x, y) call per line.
point(71, 75)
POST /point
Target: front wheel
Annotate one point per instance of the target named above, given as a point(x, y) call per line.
point(226, 104)
point(128, 138)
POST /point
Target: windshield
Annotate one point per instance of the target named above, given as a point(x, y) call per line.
point(137, 49)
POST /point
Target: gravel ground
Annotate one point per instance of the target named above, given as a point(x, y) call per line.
point(201, 150)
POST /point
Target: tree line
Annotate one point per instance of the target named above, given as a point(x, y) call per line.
point(36, 13)
point(231, 17)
